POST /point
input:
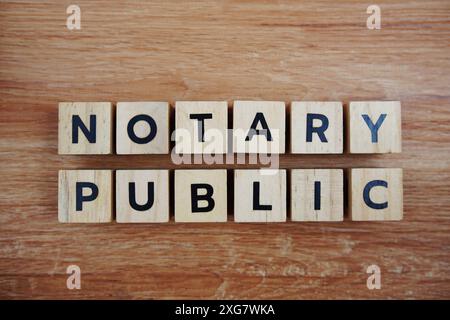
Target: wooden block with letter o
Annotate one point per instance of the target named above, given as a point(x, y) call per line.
point(201, 195)
point(374, 127)
point(142, 196)
point(317, 195)
point(260, 195)
point(142, 128)
point(376, 194)
point(317, 127)
point(85, 128)
point(85, 196)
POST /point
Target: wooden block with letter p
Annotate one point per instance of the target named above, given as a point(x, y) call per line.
point(317, 195)
point(374, 127)
point(85, 196)
point(260, 195)
point(85, 128)
point(142, 196)
point(201, 195)
point(376, 194)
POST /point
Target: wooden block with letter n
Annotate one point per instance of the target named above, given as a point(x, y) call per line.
point(201, 195)
point(85, 196)
point(142, 128)
point(142, 196)
point(374, 127)
point(317, 127)
point(260, 195)
point(85, 128)
point(201, 127)
point(317, 195)
point(376, 194)
point(259, 127)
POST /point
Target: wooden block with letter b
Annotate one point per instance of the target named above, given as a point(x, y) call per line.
point(201, 195)
point(85, 128)
point(317, 195)
point(85, 196)
point(260, 195)
point(142, 196)
point(376, 194)
point(374, 127)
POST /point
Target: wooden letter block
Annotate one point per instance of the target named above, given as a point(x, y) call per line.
point(201, 127)
point(142, 196)
point(317, 127)
point(85, 196)
point(84, 128)
point(317, 195)
point(259, 127)
point(374, 127)
point(142, 128)
point(200, 195)
point(260, 195)
point(375, 194)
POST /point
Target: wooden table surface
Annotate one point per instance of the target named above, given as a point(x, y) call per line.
point(205, 50)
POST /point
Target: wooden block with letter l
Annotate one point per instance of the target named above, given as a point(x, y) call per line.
point(85, 128)
point(317, 195)
point(201, 127)
point(375, 194)
point(260, 195)
point(85, 196)
point(142, 128)
point(259, 127)
point(201, 195)
point(374, 127)
point(142, 196)
point(317, 127)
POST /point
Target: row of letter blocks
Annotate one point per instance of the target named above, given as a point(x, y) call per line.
point(142, 196)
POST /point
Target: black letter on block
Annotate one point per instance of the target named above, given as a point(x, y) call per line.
point(374, 127)
point(151, 123)
point(195, 197)
point(310, 129)
point(256, 204)
point(366, 194)
point(201, 123)
point(259, 117)
point(150, 196)
point(317, 192)
point(79, 194)
point(90, 134)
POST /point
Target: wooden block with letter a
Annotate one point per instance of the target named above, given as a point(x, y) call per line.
point(85, 196)
point(374, 127)
point(375, 194)
point(201, 195)
point(317, 195)
point(85, 128)
point(142, 196)
point(260, 195)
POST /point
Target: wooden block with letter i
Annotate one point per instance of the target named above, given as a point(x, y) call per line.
point(260, 195)
point(85, 128)
point(374, 127)
point(85, 196)
point(201, 195)
point(317, 195)
point(142, 196)
point(375, 194)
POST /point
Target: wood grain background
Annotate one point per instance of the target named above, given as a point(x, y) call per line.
point(170, 50)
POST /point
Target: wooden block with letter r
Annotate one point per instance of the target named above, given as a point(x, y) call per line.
point(85, 196)
point(375, 194)
point(85, 128)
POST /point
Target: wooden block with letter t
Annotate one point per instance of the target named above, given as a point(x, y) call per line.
point(85, 196)
point(375, 194)
point(260, 195)
point(85, 128)
point(142, 196)
point(374, 127)
point(201, 195)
